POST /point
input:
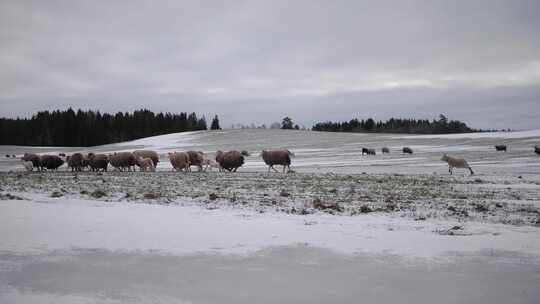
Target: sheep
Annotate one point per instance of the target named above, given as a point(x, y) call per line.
point(368, 151)
point(7, 155)
point(28, 166)
point(62, 154)
point(209, 163)
point(147, 154)
point(179, 161)
point(230, 161)
point(385, 150)
point(97, 161)
point(277, 157)
point(407, 150)
point(13, 156)
point(456, 163)
point(146, 164)
point(500, 148)
point(537, 150)
point(196, 159)
point(75, 161)
point(122, 160)
point(86, 161)
point(51, 162)
point(34, 158)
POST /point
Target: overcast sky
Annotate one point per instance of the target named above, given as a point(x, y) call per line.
point(257, 61)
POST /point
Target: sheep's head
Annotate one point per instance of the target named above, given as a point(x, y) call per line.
point(444, 157)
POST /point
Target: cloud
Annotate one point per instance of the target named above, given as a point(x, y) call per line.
point(252, 61)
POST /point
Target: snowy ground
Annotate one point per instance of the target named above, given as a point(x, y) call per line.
point(344, 228)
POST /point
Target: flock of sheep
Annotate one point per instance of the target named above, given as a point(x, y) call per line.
point(147, 160)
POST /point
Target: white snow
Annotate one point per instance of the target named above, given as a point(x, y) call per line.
point(46, 224)
point(512, 134)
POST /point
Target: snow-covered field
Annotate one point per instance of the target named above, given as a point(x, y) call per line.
point(343, 228)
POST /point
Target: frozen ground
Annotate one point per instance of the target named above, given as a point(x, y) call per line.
point(322, 152)
point(344, 228)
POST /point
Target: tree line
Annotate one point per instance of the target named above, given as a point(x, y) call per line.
point(397, 125)
point(90, 128)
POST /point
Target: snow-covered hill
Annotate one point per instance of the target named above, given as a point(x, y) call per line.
point(336, 152)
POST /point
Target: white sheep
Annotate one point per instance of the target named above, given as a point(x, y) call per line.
point(209, 164)
point(456, 163)
point(146, 164)
point(28, 165)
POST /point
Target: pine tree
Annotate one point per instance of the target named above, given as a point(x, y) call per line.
point(287, 123)
point(215, 124)
point(89, 128)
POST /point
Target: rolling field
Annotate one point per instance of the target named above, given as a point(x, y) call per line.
point(341, 228)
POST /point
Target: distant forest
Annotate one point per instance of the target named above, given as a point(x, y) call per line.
point(397, 125)
point(90, 128)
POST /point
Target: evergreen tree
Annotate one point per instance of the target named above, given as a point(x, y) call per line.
point(215, 124)
point(397, 125)
point(89, 128)
point(287, 123)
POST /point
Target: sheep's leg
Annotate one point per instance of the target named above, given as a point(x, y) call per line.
point(451, 171)
point(470, 169)
point(272, 166)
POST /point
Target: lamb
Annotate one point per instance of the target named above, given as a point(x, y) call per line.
point(179, 161)
point(146, 164)
point(75, 161)
point(86, 161)
point(196, 159)
point(51, 162)
point(407, 150)
point(97, 161)
point(364, 151)
point(277, 157)
point(209, 163)
point(500, 148)
point(456, 163)
point(230, 161)
point(34, 158)
point(385, 150)
point(123, 160)
point(28, 166)
point(7, 155)
point(537, 150)
point(147, 154)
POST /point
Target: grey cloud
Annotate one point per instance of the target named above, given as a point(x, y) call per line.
point(255, 61)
